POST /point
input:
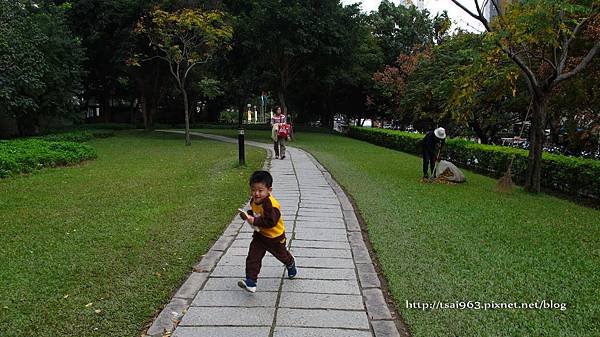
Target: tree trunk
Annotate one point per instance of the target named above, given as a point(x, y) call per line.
point(144, 105)
point(554, 122)
point(281, 96)
point(107, 109)
point(186, 107)
point(479, 132)
point(536, 142)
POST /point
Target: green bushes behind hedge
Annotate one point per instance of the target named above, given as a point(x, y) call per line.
point(575, 176)
point(26, 155)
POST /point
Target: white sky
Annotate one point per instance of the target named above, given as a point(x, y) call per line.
point(456, 14)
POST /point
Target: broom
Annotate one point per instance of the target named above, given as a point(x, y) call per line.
point(506, 183)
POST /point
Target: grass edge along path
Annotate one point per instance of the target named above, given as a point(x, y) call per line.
point(467, 243)
point(96, 249)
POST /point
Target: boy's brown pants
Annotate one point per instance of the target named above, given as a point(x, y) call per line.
point(259, 246)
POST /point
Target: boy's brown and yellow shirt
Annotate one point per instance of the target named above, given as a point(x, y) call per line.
point(268, 217)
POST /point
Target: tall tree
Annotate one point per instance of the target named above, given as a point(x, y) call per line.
point(487, 91)
point(401, 29)
point(104, 27)
point(40, 63)
point(185, 39)
point(287, 40)
point(539, 37)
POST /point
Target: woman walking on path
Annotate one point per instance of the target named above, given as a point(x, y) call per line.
point(278, 141)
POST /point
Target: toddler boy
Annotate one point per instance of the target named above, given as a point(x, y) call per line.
point(269, 230)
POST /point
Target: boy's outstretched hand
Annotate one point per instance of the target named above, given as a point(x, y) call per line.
point(249, 218)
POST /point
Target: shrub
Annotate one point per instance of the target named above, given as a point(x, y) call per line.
point(77, 136)
point(575, 176)
point(27, 155)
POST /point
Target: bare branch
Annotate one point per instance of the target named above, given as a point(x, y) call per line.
point(531, 78)
point(586, 60)
point(154, 57)
point(495, 4)
point(567, 43)
point(193, 64)
point(479, 16)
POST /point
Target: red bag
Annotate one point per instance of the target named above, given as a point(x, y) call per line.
point(284, 130)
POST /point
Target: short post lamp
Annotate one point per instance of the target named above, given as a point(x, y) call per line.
point(241, 152)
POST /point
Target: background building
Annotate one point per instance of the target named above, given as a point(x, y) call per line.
point(491, 11)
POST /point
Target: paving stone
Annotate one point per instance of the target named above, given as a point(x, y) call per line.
point(192, 285)
point(322, 318)
point(237, 251)
point(323, 194)
point(231, 231)
point(323, 221)
point(385, 329)
point(234, 299)
point(246, 229)
point(326, 274)
point(209, 261)
point(239, 271)
point(321, 301)
point(320, 217)
point(351, 221)
point(318, 252)
point(325, 262)
point(230, 284)
point(222, 243)
point(345, 203)
point(325, 211)
point(361, 254)
point(216, 316)
point(222, 331)
point(365, 268)
point(333, 204)
point(241, 243)
point(308, 235)
point(356, 239)
point(321, 286)
point(168, 316)
point(319, 201)
point(377, 308)
point(245, 235)
point(320, 225)
point(231, 260)
point(369, 280)
point(320, 244)
point(322, 231)
point(318, 332)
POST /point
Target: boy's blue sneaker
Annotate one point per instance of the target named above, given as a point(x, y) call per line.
point(248, 284)
point(291, 270)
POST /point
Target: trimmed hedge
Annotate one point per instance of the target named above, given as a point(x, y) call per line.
point(27, 155)
point(77, 136)
point(571, 175)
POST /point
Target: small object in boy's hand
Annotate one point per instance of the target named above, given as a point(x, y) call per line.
point(243, 214)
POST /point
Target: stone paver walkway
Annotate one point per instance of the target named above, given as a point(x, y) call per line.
point(335, 294)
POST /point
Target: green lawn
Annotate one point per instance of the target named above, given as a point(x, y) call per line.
point(120, 232)
point(468, 243)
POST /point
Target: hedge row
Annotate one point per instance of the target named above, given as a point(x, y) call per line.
point(27, 155)
point(571, 175)
point(77, 136)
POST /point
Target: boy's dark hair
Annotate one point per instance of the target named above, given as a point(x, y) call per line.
point(261, 177)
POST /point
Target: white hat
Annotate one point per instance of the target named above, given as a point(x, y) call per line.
point(440, 133)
